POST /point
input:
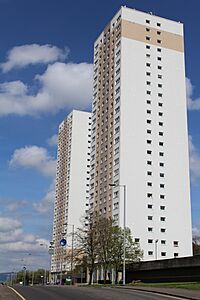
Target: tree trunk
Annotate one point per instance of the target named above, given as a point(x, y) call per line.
point(90, 276)
point(105, 275)
point(116, 276)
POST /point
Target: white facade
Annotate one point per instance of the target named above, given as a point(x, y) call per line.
point(72, 181)
point(145, 84)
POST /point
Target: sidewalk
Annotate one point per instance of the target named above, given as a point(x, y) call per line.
point(7, 294)
point(182, 293)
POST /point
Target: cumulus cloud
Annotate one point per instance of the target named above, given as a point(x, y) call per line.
point(13, 237)
point(194, 161)
point(22, 56)
point(193, 104)
point(46, 204)
point(8, 224)
point(34, 157)
point(53, 140)
point(61, 86)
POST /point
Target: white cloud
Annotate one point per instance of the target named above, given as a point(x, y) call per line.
point(193, 104)
point(46, 204)
point(22, 56)
point(62, 86)
point(53, 140)
point(194, 161)
point(19, 248)
point(34, 157)
point(8, 224)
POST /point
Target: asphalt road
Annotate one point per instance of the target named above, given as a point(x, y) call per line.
point(85, 293)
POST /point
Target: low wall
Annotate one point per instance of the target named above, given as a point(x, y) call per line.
point(167, 270)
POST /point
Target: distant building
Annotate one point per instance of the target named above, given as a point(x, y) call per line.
point(139, 132)
point(72, 182)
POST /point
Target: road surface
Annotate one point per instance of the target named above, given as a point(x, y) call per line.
point(85, 293)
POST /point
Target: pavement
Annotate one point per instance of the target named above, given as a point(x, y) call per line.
point(182, 293)
point(7, 294)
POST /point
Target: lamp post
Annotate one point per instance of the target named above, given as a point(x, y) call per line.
point(45, 271)
point(156, 248)
point(124, 242)
point(72, 251)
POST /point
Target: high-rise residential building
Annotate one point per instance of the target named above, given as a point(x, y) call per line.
point(72, 182)
point(139, 132)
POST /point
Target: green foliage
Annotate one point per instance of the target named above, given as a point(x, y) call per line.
point(102, 244)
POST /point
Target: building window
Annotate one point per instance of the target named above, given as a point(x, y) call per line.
point(148, 92)
point(137, 240)
point(163, 253)
point(159, 67)
point(148, 38)
point(149, 151)
point(147, 29)
point(148, 73)
point(162, 175)
point(150, 241)
point(175, 255)
point(148, 121)
point(159, 85)
point(149, 206)
point(162, 185)
point(150, 252)
point(160, 104)
point(175, 243)
point(161, 153)
point(160, 95)
point(162, 219)
point(148, 111)
point(162, 207)
point(159, 41)
point(159, 58)
point(159, 76)
point(160, 123)
point(161, 133)
point(149, 141)
point(149, 195)
point(161, 164)
point(148, 47)
point(149, 173)
point(150, 229)
point(148, 131)
point(148, 64)
point(161, 143)
point(149, 162)
point(158, 24)
point(148, 101)
point(148, 83)
point(159, 49)
point(148, 22)
point(163, 242)
point(150, 218)
point(163, 230)
point(159, 32)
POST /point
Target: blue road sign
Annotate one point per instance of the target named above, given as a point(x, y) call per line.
point(63, 242)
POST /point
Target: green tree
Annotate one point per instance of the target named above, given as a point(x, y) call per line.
point(133, 253)
point(87, 244)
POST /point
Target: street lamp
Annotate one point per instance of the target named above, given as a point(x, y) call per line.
point(72, 253)
point(156, 248)
point(45, 271)
point(124, 244)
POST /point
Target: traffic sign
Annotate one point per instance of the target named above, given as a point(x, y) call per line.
point(63, 242)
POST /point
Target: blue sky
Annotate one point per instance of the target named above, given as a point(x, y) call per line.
point(46, 70)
